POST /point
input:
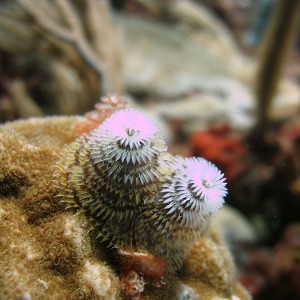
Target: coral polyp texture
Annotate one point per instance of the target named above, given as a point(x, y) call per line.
point(49, 252)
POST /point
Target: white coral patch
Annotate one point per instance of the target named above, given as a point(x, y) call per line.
point(26, 248)
point(2, 211)
point(97, 277)
point(75, 232)
point(31, 253)
point(43, 283)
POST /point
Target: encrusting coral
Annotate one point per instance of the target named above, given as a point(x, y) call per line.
point(47, 252)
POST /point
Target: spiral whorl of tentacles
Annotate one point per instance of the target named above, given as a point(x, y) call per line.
point(137, 194)
point(183, 208)
point(112, 172)
point(125, 151)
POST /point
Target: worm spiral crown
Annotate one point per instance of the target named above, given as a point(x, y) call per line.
point(112, 172)
point(185, 204)
point(134, 192)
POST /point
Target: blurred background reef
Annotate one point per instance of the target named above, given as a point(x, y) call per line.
point(221, 80)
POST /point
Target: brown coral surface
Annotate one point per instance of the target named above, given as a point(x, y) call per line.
point(46, 251)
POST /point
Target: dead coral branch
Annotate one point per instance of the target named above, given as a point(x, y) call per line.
point(68, 53)
point(275, 48)
point(74, 35)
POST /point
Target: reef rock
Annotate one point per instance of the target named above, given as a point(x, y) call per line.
point(219, 100)
point(152, 67)
point(46, 251)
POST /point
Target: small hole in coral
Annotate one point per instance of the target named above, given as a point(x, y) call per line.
point(9, 189)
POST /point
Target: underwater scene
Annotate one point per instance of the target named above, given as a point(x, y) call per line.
point(150, 150)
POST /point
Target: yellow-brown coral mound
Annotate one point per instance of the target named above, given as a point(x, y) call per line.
point(46, 251)
point(210, 262)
